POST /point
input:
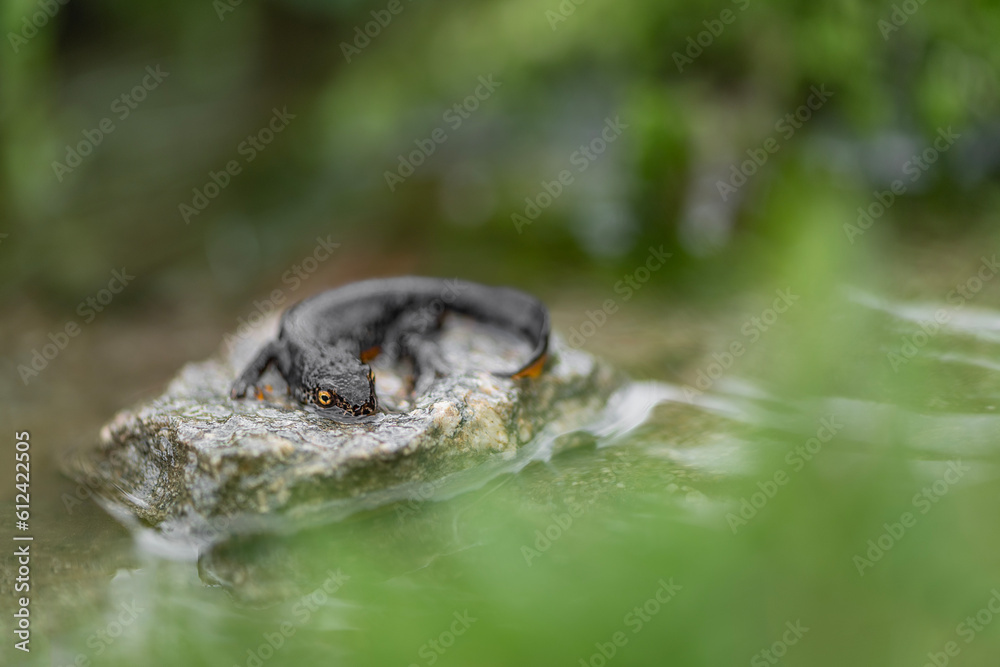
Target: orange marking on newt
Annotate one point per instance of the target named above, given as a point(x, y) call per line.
point(534, 370)
point(370, 353)
point(260, 395)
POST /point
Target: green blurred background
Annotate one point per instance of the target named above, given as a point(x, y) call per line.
point(559, 79)
point(699, 92)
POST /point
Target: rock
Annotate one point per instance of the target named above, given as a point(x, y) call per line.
point(193, 455)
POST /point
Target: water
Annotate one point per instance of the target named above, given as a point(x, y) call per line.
point(814, 501)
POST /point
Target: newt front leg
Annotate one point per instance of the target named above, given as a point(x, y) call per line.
point(274, 352)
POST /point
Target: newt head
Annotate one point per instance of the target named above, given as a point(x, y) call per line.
point(340, 391)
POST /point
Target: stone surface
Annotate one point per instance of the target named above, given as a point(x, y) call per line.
point(194, 453)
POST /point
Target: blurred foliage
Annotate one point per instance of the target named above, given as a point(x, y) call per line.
point(230, 64)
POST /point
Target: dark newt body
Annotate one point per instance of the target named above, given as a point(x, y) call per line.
point(326, 340)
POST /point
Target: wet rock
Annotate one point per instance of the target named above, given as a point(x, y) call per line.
point(195, 454)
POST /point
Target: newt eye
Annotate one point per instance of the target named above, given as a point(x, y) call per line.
point(324, 397)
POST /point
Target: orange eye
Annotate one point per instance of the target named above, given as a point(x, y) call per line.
point(324, 398)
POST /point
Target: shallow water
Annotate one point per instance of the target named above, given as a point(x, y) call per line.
point(810, 502)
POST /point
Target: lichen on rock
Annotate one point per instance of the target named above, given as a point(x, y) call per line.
point(195, 453)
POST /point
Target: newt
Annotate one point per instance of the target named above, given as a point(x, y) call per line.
point(326, 341)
